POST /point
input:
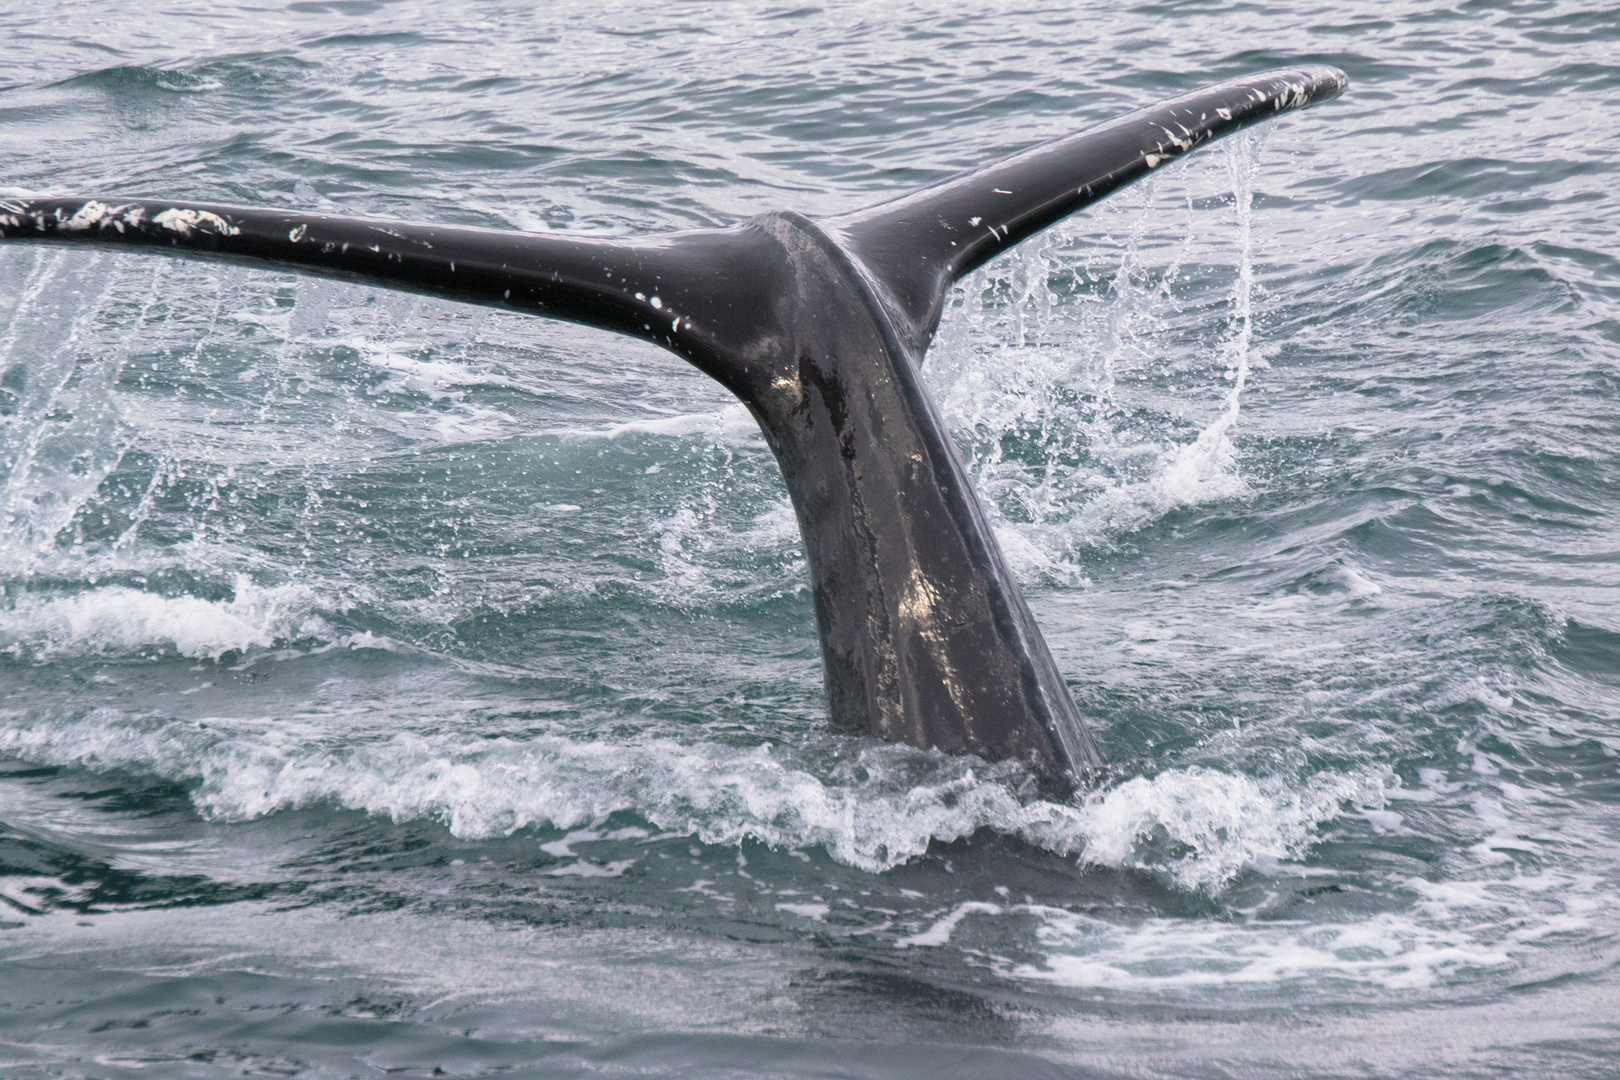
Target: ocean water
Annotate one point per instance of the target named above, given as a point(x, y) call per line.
point(391, 686)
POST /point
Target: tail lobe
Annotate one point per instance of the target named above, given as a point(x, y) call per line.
point(920, 244)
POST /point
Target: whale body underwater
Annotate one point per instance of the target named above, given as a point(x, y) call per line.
point(820, 328)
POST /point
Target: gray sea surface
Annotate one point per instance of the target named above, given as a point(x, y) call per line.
point(392, 686)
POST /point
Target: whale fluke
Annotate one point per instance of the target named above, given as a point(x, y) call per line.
point(922, 243)
point(819, 327)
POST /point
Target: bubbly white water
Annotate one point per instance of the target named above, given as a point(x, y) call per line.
point(875, 811)
point(118, 620)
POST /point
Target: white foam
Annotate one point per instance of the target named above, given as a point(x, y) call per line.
point(586, 869)
point(116, 619)
point(564, 848)
point(437, 379)
point(698, 545)
point(1451, 927)
point(1355, 582)
point(1200, 472)
point(1391, 950)
point(466, 423)
point(882, 807)
point(940, 932)
point(1202, 827)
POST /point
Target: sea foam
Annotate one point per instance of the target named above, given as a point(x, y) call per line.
point(1195, 828)
point(116, 619)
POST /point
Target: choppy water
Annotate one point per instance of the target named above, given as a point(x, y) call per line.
point(392, 685)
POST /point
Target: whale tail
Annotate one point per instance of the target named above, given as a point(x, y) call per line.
point(819, 327)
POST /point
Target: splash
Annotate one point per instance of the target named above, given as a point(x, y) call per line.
point(1072, 423)
point(64, 430)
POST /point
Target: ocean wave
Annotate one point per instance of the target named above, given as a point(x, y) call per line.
point(117, 619)
point(129, 78)
point(1201, 827)
point(1196, 828)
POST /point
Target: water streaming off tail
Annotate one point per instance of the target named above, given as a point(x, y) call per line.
point(62, 355)
point(1094, 376)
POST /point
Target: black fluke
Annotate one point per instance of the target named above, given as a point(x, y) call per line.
point(820, 328)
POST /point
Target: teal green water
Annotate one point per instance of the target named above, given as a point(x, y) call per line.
point(392, 686)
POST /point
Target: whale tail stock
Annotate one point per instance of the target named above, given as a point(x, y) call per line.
point(819, 327)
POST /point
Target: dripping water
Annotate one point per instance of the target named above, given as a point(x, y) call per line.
point(1057, 366)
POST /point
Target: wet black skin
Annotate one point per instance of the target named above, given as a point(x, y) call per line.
point(819, 327)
